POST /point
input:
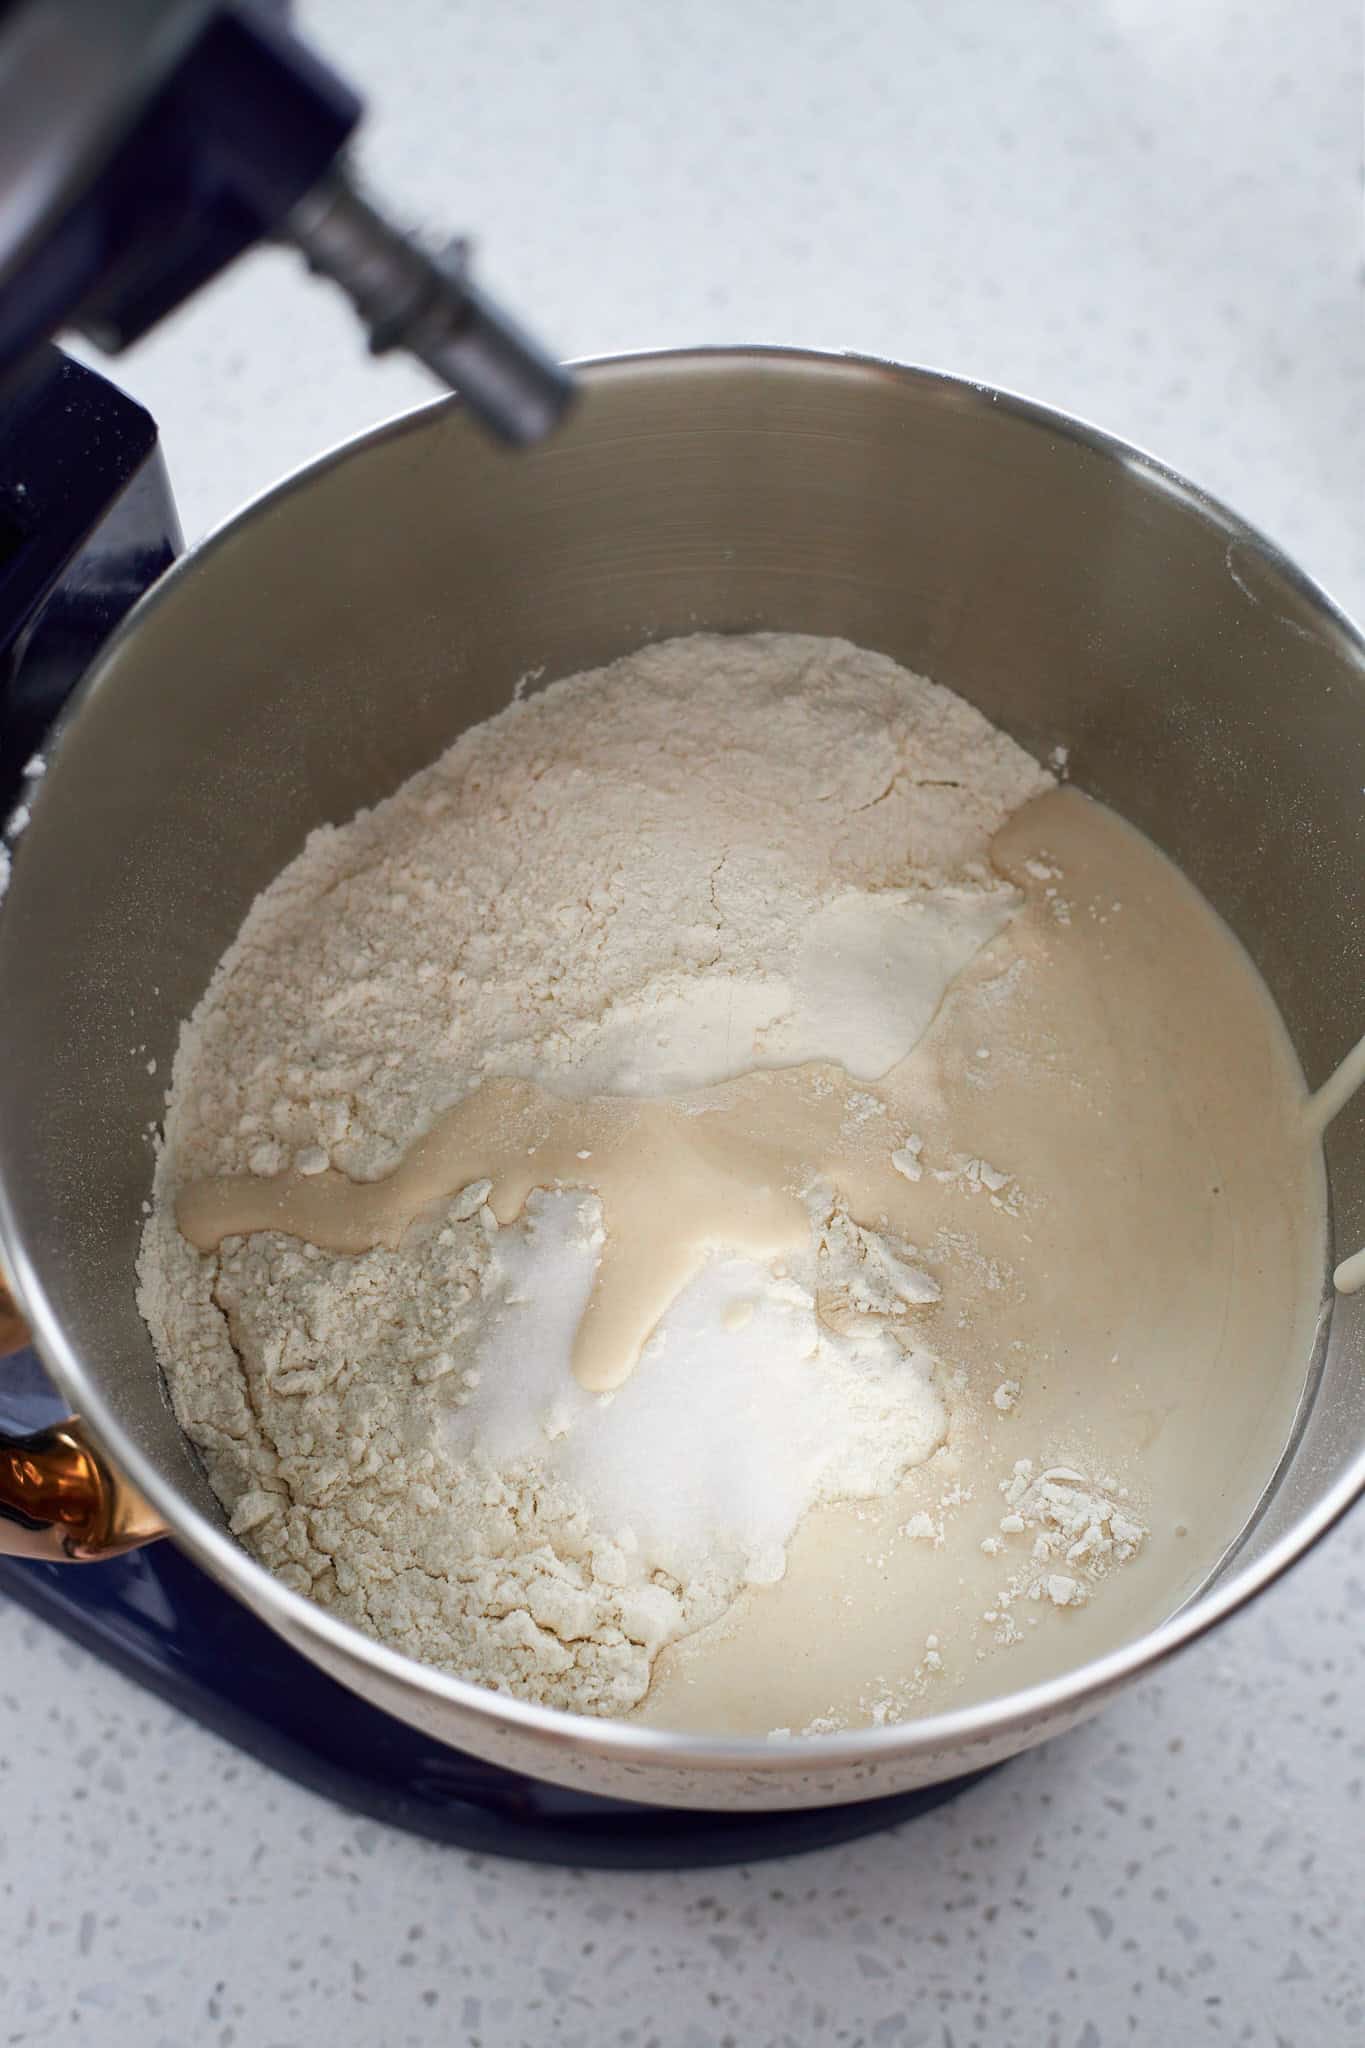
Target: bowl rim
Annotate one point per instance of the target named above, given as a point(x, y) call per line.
point(1069, 1693)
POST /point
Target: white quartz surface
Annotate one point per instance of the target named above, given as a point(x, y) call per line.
point(1144, 211)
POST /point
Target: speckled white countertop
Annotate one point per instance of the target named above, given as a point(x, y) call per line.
point(1147, 212)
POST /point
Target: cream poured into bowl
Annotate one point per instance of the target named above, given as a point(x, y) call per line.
point(1142, 1309)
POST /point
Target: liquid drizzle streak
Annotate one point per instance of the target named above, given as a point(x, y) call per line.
point(725, 1166)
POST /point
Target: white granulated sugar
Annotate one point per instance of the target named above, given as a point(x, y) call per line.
point(715, 855)
point(671, 1454)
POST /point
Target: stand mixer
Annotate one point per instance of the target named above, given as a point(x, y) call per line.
point(144, 146)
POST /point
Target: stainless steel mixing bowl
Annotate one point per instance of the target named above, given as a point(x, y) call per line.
point(345, 628)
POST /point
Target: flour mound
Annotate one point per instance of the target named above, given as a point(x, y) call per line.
point(660, 873)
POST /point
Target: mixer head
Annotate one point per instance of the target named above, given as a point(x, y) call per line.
point(145, 145)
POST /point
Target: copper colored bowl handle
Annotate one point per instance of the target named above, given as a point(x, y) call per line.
point(60, 1499)
point(13, 1328)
